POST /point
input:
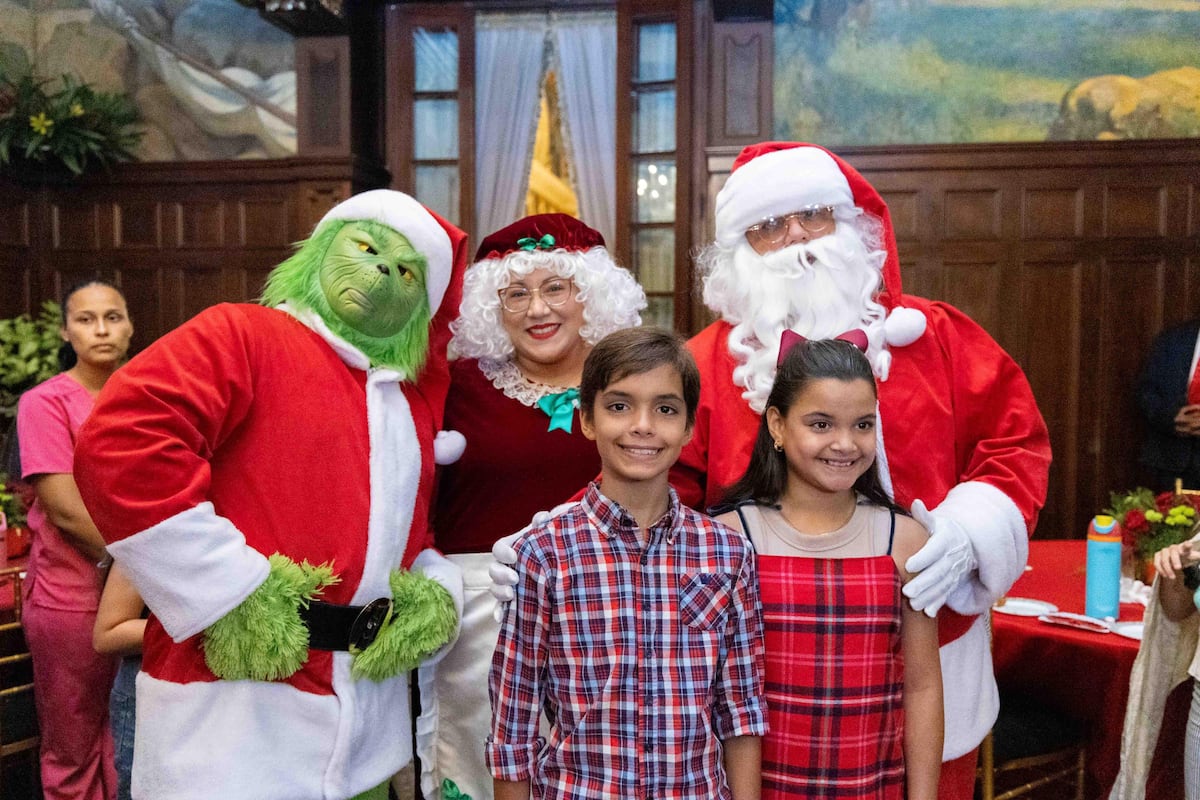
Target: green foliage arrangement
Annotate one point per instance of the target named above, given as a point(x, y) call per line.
point(10, 503)
point(64, 123)
point(28, 354)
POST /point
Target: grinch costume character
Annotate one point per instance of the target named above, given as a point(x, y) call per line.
point(263, 474)
point(960, 438)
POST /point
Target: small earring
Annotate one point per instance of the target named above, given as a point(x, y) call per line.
point(778, 447)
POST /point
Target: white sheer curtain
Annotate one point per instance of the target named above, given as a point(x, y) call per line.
point(585, 53)
point(509, 62)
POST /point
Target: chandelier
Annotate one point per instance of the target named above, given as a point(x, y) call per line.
point(303, 17)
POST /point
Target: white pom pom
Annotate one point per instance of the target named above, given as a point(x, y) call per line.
point(448, 447)
point(903, 326)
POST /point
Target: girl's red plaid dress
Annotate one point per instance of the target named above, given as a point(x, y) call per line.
point(834, 676)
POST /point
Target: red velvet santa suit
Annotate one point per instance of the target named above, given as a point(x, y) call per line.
point(959, 429)
point(245, 432)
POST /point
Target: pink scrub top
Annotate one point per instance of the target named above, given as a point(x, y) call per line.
point(48, 419)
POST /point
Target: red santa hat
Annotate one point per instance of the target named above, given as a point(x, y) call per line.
point(435, 238)
point(539, 233)
point(774, 178)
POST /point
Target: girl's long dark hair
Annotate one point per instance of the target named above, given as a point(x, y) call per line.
point(67, 357)
point(766, 478)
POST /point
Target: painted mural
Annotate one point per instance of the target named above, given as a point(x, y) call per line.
point(211, 78)
point(937, 71)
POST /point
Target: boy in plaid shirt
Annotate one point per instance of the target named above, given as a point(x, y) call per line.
point(636, 623)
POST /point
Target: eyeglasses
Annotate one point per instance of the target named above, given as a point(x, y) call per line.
point(770, 232)
point(553, 291)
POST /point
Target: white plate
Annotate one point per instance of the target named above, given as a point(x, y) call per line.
point(1025, 607)
point(1130, 630)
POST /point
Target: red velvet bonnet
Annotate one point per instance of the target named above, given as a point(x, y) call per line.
point(539, 233)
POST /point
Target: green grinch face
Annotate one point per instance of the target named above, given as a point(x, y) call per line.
point(372, 278)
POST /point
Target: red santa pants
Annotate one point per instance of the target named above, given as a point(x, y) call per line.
point(71, 684)
point(958, 777)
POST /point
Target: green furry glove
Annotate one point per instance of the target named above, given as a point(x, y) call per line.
point(422, 620)
point(263, 639)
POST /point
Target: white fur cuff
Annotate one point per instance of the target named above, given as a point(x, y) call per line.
point(192, 569)
point(434, 565)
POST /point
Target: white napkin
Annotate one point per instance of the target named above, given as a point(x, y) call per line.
point(1134, 591)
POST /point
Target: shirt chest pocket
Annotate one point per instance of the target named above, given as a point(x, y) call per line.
point(703, 598)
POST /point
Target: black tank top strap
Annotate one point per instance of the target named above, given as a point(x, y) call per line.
point(892, 532)
point(725, 508)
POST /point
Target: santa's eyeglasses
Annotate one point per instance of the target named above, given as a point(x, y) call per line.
point(770, 232)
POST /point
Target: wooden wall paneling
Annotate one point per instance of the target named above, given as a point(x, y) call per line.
point(16, 257)
point(137, 224)
point(1130, 313)
point(739, 85)
point(1052, 316)
point(971, 214)
point(142, 286)
point(263, 224)
point(201, 286)
point(1135, 211)
point(76, 225)
point(199, 224)
point(1051, 213)
point(1193, 206)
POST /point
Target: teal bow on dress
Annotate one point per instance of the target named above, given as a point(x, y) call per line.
point(529, 243)
point(560, 408)
point(450, 791)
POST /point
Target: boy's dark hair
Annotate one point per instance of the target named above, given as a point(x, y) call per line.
point(631, 352)
point(766, 477)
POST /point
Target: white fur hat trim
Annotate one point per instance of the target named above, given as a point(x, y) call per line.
point(777, 183)
point(903, 326)
point(411, 219)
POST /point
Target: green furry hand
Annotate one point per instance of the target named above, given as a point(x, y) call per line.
point(264, 639)
point(422, 620)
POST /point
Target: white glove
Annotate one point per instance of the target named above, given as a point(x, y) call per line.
point(942, 565)
point(503, 576)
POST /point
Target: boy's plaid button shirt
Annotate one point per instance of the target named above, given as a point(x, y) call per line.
point(643, 657)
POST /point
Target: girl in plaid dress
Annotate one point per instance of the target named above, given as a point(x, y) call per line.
point(853, 680)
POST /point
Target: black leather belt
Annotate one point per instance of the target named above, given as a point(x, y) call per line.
point(337, 627)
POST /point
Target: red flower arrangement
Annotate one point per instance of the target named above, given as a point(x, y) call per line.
point(1151, 522)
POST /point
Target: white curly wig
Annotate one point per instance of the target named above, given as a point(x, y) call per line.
point(610, 296)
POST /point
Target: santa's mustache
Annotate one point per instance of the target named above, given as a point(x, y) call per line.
point(800, 259)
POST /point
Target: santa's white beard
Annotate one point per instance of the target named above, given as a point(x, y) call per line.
point(819, 289)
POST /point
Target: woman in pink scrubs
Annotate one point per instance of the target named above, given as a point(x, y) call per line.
point(62, 589)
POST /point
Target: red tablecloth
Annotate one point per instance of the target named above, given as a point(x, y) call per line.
point(1084, 675)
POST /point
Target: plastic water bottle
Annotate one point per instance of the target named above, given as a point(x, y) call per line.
point(1103, 568)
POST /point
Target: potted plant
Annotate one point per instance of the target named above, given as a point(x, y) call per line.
point(13, 499)
point(28, 354)
point(64, 126)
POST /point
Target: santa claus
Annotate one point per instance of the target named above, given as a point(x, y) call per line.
point(804, 243)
